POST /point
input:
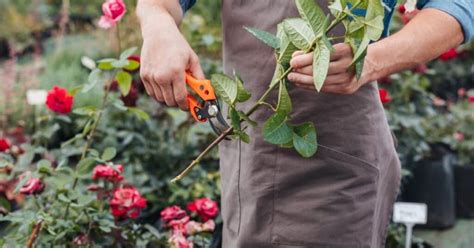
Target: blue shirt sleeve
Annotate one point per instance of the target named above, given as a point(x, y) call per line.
point(462, 10)
point(186, 4)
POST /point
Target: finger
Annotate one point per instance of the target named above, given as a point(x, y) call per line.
point(339, 66)
point(157, 94)
point(179, 91)
point(341, 78)
point(297, 53)
point(195, 67)
point(337, 89)
point(300, 78)
point(168, 94)
point(341, 50)
point(301, 61)
point(305, 86)
point(147, 84)
point(307, 70)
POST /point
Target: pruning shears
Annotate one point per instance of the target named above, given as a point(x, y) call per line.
point(204, 105)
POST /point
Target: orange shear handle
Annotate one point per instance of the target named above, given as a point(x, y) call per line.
point(204, 90)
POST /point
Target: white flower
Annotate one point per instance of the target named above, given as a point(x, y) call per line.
point(410, 5)
point(36, 97)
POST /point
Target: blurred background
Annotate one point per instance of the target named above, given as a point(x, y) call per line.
point(430, 110)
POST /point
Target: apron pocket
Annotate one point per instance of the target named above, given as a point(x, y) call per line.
point(325, 201)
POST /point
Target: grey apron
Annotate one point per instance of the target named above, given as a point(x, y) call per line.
point(272, 197)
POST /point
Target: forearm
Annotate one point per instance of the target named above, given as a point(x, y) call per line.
point(154, 13)
point(424, 38)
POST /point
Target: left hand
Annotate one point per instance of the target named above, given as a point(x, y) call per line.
point(341, 78)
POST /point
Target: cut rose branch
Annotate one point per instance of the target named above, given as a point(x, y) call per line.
point(310, 34)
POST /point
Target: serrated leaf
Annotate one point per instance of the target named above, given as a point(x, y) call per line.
point(139, 113)
point(84, 166)
point(93, 79)
point(242, 93)
point(127, 53)
point(234, 118)
point(284, 101)
point(124, 81)
point(304, 139)
point(312, 14)
point(321, 59)
point(244, 117)
point(108, 154)
point(265, 37)
point(276, 130)
point(225, 88)
point(44, 167)
point(88, 63)
point(287, 48)
point(299, 33)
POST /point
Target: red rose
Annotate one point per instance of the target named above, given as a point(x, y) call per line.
point(421, 69)
point(448, 55)
point(402, 9)
point(384, 96)
point(33, 186)
point(470, 99)
point(113, 11)
point(127, 202)
point(172, 213)
point(205, 208)
point(59, 100)
point(179, 225)
point(108, 173)
point(4, 145)
point(131, 99)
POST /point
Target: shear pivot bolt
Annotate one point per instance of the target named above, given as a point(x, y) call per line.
point(213, 110)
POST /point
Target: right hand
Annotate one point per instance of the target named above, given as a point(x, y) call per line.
point(165, 57)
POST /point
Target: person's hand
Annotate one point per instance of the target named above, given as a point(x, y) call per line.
point(341, 77)
point(165, 58)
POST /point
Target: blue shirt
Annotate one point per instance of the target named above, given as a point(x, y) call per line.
point(460, 9)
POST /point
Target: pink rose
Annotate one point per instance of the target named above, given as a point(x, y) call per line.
point(127, 202)
point(172, 213)
point(113, 11)
point(178, 240)
point(179, 226)
point(33, 186)
point(459, 136)
point(108, 173)
point(194, 227)
point(205, 208)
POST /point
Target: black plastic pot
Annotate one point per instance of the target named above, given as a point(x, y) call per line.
point(433, 183)
point(464, 188)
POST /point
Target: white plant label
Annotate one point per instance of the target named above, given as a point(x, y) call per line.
point(410, 213)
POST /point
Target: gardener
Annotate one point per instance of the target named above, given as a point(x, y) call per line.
point(272, 197)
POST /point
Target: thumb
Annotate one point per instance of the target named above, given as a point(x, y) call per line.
point(195, 67)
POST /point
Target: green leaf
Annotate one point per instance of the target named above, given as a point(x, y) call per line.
point(124, 80)
point(284, 100)
point(361, 50)
point(321, 59)
point(299, 33)
point(94, 78)
point(88, 63)
point(337, 7)
point(225, 88)
point(22, 182)
point(132, 65)
point(304, 139)
point(86, 110)
point(84, 167)
point(312, 14)
point(76, 89)
point(4, 203)
point(105, 64)
point(44, 167)
point(374, 28)
point(287, 48)
point(244, 137)
point(279, 71)
point(265, 37)
point(244, 117)
point(275, 129)
point(127, 53)
point(120, 64)
point(139, 113)
point(108, 154)
point(242, 94)
point(234, 118)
